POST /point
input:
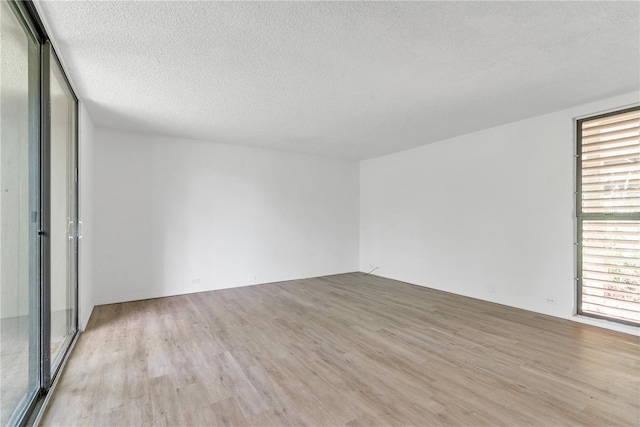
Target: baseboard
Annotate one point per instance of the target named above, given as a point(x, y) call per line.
point(152, 295)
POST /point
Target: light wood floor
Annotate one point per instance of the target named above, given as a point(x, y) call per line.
point(343, 350)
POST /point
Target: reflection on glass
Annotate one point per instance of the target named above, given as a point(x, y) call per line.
point(18, 218)
point(611, 267)
point(63, 215)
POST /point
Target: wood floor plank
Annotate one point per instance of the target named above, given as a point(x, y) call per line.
point(349, 350)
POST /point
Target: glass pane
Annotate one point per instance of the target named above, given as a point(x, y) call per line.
point(611, 164)
point(19, 184)
point(611, 269)
point(63, 215)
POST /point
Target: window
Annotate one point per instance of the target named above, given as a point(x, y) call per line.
point(38, 213)
point(608, 210)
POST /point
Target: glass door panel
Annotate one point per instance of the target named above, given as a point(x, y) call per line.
point(38, 213)
point(63, 214)
point(19, 206)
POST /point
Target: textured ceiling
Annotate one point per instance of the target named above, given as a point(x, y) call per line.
point(351, 80)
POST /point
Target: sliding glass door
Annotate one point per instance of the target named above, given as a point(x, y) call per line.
point(19, 215)
point(38, 213)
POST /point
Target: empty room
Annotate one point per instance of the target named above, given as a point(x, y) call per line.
point(302, 213)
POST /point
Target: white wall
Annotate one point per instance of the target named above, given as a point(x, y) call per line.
point(488, 215)
point(86, 141)
point(175, 216)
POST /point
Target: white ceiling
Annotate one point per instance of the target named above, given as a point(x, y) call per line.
point(344, 79)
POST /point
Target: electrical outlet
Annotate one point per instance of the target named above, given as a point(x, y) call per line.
point(490, 289)
point(551, 301)
point(195, 281)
